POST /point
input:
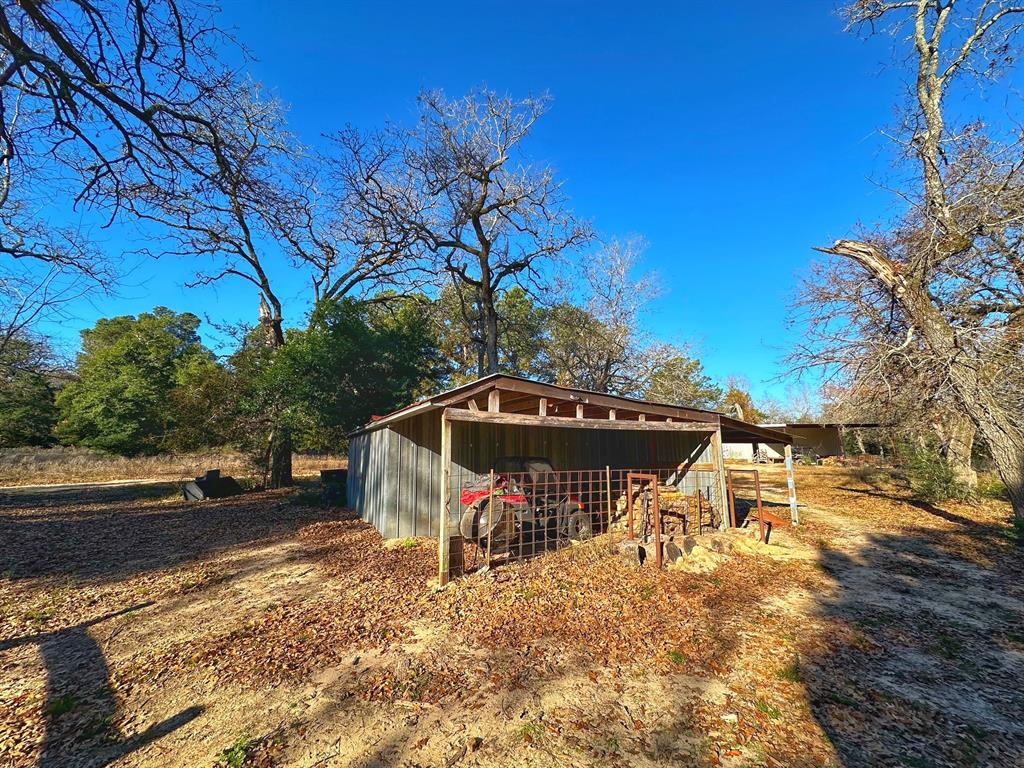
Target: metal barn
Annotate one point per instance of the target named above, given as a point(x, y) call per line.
point(408, 470)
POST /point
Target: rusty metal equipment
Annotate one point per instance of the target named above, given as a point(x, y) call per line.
point(652, 482)
point(729, 473)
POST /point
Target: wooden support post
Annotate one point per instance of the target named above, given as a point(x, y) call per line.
point(446, 500)
point(732, 498)
point(658, 561)
point(718, 460)
point(490, 514)
point(760, 507)
point(794, 513)
point(542, 408)
point(579, 410)
point(494, 401)
point(473, 406)
point(611, 414)
point(629, 504)
point(608, 480)
point(642, 417)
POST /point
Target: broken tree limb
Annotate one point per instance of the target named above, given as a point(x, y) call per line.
point(872, 259)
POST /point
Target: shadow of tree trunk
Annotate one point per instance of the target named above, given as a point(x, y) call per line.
point(80, 704)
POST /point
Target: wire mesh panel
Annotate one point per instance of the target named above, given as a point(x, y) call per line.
point(525, 507)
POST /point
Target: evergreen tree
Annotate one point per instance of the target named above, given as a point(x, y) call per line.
point(120, 400)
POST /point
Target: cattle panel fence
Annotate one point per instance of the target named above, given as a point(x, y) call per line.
point(532, 509)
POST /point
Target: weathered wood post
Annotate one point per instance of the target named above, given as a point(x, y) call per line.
point(443, 541)
point(718, 458)
point(656, 513)
point(608, 480)
point(794, 513)
point(760, 507)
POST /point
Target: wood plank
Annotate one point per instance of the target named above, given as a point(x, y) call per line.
point(719, 461)
point(542, 407)
point(579, 410)
point(697, 467)
point(519, 419)
point(494, 401)
point(473, 406)
point(446, 498)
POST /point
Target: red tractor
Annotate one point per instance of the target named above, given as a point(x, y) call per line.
point(533, 510)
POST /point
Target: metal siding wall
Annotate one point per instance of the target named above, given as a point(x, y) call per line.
point(404, 492)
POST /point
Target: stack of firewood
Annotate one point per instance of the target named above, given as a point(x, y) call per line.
point(682, 514)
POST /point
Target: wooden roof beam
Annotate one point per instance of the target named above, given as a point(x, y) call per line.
point(525, 420)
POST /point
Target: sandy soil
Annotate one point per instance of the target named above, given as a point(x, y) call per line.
point(137, 630)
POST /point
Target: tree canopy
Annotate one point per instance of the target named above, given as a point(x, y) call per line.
point(120, 400)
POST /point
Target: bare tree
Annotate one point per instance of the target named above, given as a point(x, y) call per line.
point(600, 344)
point(28, 297)
point(249, 204)
point(91, 91)
point(952, 272)
point(456, 191)
point(880, 370)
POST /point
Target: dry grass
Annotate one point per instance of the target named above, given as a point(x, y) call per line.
point(44, 466)
point(151, 632)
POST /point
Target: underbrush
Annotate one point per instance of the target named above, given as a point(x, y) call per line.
point(991, 487)
point(923, 472)
point(930, 477)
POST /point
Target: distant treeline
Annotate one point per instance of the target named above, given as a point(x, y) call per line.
point(147, 384)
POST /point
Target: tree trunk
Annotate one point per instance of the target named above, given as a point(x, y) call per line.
point(489, 321)
point(279, 461)
point(956, 433)
point(277, 469)
point(491, 337)
point(1008, 454)
point(1003, 434)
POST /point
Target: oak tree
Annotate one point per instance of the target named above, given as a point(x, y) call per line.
point(945, 285)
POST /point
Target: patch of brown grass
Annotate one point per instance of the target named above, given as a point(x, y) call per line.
point(45, 466)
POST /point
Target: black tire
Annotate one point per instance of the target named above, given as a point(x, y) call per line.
point(579, 527)
point(469, 526)
point(477, 526)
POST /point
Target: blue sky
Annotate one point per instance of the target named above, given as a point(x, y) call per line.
point(733, 137)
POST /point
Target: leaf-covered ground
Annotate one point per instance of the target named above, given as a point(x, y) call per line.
point(259, 631)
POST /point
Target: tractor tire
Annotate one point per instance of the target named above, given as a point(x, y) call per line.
point(579, 527)
point(469, 526)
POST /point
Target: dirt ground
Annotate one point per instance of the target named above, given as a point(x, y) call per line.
point(137, 630)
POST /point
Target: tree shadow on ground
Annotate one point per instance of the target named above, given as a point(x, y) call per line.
point(80, 704)
point(929, 671)
point(114, 533)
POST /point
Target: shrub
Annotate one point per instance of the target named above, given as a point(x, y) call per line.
point(930, 477)
point(1016, 533)
point(237, 755)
